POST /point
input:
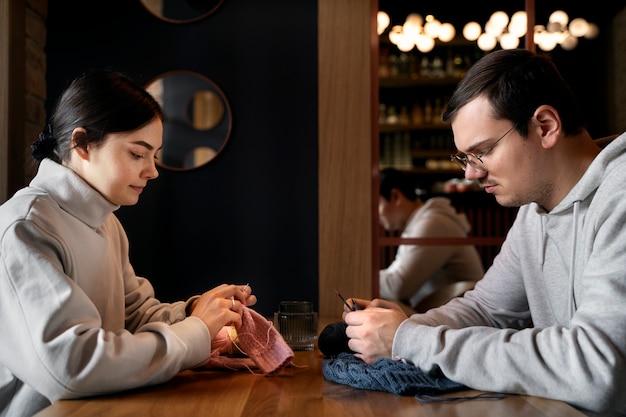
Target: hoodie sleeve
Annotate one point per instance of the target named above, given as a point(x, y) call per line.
point(67, 344)
point(415, 265)
point(486, 340)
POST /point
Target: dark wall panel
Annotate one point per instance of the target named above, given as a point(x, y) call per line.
point(250, 215)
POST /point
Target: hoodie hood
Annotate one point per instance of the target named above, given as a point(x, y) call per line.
point(608, 159)
point(441, 206)
point(566, 221)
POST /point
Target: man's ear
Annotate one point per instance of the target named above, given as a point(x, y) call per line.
point(78, 145)
point(548, 124)
point(394, 196)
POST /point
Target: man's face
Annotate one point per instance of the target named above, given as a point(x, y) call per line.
point(389, 214)
point(512, 167)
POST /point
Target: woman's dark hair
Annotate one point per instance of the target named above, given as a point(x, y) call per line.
point(101, 102)
point(391, 178)
point(516, 82)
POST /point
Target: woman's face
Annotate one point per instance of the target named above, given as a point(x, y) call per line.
point(120, 167)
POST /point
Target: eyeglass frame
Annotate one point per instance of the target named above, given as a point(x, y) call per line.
point(463, 159)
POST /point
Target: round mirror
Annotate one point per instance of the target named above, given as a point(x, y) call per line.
point(197, 121)
point(181, 11)
point(205, 110)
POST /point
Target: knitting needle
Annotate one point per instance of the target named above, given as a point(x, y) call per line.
point(354, 305)
point(246, 287)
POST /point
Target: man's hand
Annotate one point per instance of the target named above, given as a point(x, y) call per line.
point(372, 329)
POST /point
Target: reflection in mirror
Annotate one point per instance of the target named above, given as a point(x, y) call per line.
point(199, 156)
point(205, 110)
point(181, 11)
point(197, 122)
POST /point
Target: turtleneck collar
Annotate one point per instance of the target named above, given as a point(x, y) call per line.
point(72, 193)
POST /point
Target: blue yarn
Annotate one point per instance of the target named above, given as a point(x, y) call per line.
point(386, 375)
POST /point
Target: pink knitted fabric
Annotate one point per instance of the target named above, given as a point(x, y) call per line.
point(258, 338)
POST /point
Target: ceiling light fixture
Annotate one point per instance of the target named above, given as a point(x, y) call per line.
point(421, 32)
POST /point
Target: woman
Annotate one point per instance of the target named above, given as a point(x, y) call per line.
point(77, 321)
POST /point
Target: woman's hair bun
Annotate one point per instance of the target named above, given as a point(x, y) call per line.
point(44, 146)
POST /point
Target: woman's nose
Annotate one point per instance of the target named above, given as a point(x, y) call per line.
point(151, 171)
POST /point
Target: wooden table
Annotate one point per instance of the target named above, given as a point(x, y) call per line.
point(294, 392)
point(299, 391)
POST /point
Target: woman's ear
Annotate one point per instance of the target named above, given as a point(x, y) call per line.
point(548, 123)
point(79, 145)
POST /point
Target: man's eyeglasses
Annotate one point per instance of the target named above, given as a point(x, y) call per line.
point(476, 160)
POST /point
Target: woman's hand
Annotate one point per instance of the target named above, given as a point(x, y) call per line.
point(223, 306)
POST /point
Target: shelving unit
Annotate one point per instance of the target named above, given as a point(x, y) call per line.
point(413, 90)
point(490, 223)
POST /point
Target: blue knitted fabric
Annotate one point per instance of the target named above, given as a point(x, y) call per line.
point(385, 375)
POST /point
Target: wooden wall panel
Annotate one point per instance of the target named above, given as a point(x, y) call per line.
point(345, 137)
point(12, 101)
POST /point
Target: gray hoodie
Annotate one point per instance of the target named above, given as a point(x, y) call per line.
point(549, 317)
point(76, 320)
point(419, 270)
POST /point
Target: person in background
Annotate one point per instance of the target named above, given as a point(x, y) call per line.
point(419, 270)
point(76, 320)
point(548, 317)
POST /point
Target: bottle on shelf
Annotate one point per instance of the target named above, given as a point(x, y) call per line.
point(417, 114)
point(394, 69)
point(428, 112)
point(437, 111)
point(437, 70)
point(392, 116)
point(403, 117)
point(382, 113)
point(425, 67)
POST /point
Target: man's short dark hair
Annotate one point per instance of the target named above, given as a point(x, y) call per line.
point(391, 178)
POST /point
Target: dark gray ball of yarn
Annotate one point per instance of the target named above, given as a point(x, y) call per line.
point(333, 340)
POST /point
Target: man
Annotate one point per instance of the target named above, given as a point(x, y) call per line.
point(549, 317)
point(419, 270)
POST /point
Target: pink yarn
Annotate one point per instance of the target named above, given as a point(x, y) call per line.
point(257, 338)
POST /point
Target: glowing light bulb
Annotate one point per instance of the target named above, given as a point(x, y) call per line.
point(499, 19)
point(508, 41)
point(546, 41)
point(592, 31)
point(415, 19)
point(395, 33)
point(486, 42)
point(471, 31)
point(493, 28)
point(569, 42)
point(578, 27)
point(560, 17)
point(446, 32)
point(431, 28)
point(382, 21)
point(405, 42)
point(425, 43)
point(518, 24)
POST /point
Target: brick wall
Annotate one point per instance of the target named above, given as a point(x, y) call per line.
point(35, 76)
